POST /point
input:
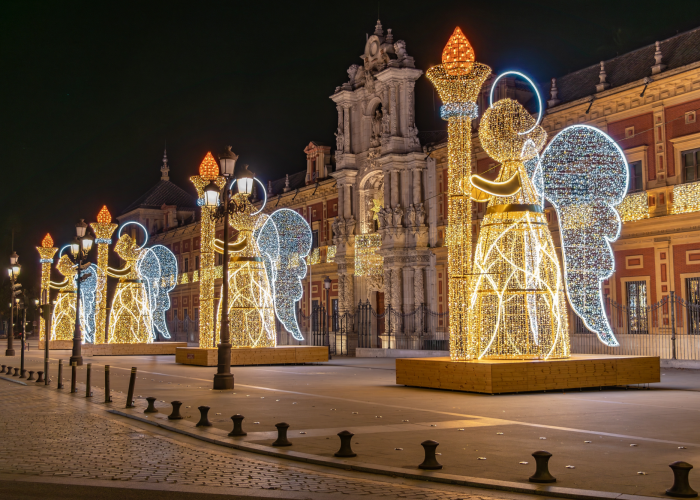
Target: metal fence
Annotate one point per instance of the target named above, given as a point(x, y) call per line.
point(186, 329)
point(669, 329)
point(335, 330)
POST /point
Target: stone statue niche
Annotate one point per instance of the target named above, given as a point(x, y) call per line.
point(375, 139)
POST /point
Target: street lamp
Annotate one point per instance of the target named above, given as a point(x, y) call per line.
point(327, 286)
point(79, 249)
point(13, 272)
point(223, 379)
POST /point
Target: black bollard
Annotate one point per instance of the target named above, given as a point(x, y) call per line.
point(40, 377)
point(282, 435)
point(130, 394)
point(60, 374)
point(16, 372)
point(31, 376)
point(22, 373)
point(151, 406)
point(542, 474)
point(88, 389)
point(73, 376)
point(108, 392)
point(204, 418)
point(430, 462)
point(3, 368)
point(237, 426)
point(175, 415)
point(345, 445)
point(681, 487)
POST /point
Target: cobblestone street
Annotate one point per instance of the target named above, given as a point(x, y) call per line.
point(45, 433)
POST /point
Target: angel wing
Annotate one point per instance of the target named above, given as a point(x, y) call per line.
point(90, 292)
point(585, 177)
point(157, 267)
point(284, 240)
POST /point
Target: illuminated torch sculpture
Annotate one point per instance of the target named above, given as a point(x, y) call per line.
point(46, 252)
point(458, 81)
point(103, 231)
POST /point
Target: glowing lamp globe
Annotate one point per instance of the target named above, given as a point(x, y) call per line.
point(208, 169)
point(211, 195)
point(87, 243)
point(228, 161)
point(13, 258)
point(245, 181)
point(80, 228)
point(15, 270)
point(458, 55)
point(74, 248)
point(104, 217)
point(47, 242)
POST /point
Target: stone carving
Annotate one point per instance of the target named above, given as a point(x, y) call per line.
point(411, 215)
point(413, 137)
point(396, 297)
point(350, 225)
point(375, 138)
point(339, 140)
point(352, 71)
point(400, 49)
point(372, 156)
point(369, 82)
point(336, 226)
point(375, 283)
point(349, 295)
point(418, 297)
point(398, 215)
point(420, 214)
point(384, 216)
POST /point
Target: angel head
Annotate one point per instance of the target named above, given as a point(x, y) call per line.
point(509, 133)
point(127, 248)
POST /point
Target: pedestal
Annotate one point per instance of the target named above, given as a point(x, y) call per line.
point(281, 355)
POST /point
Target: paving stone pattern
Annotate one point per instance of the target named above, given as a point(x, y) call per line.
point(40, 427)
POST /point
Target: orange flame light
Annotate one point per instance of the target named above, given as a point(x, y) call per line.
point(458, 55)
point(47, 242)
point(209, 169)
point(104, 217)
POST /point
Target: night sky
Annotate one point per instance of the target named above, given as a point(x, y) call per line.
point(90, 92)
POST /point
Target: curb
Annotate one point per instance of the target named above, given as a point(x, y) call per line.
point(12, 380)
point(436, 477)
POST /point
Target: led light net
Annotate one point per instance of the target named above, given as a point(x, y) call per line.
point(63, 318)
point(517, 308)
point(367, 261)
point(585, 178)
point(157, 268)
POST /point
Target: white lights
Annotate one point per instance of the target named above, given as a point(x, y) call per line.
point(145, 232)
point(537, 93)
point(585, 178)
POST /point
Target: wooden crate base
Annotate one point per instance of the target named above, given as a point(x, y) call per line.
point(56, 345)
point(154, 348)
point(501, 376)
point(281, 355)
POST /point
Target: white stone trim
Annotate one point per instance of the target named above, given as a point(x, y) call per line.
point(634, 266)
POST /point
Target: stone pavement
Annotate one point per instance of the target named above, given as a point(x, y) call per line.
point(49, 434)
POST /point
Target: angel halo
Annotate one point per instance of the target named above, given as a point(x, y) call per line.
point(516, 292)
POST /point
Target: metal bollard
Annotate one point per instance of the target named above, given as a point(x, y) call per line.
point(22, 373)
point(88, 389)
point(175, 415)
point(16, 372)
point(108, 392)
point(542, 474)
point(204, 418)
point(40, 377)
point(60, 374)
point(681, 487)
point(31, 376)
point(345, 445)
point(3, 368)
point(282, 435)
point(130, 394)
point(151, 406)
point(237, 426)
point(74, 376)
point(430, 462)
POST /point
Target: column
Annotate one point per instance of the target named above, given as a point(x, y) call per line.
point(347, 148)
point(387, 303)
point(405, 187)
point(394, 110)
point(418, 298)
point(341, 200)
point(387, 188)
point(396, 302)
point(417, 173)
point(341, 122)
point(394, 188)
point(407, 297)
point(347, 208)
point(46, 252)
point(350, 293)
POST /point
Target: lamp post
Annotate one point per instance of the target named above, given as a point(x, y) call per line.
point(79, 250)
point(327, 286)
point(13, 271)
point(223, 379)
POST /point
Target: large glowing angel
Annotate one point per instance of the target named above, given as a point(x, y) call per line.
point(266, 266)
point(141, 297)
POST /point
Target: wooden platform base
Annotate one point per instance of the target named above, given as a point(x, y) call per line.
point(154, 348)
point(501, 376)
point(281, 355)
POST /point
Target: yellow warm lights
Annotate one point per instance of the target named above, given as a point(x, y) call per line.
point(686, 198)
point(209, 169)
point(367, 261)
point(63, 319)
point(103, 229)
point(458, 55)
point(46, 253)
point(459, 93)
point(104, 217)
point(47, 242)
point(634, 206)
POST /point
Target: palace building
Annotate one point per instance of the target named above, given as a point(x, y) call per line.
point(376, 199)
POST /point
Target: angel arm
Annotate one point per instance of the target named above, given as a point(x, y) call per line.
point(118, 273)
point(218, 245)
point(482, 189)
point(58, 286)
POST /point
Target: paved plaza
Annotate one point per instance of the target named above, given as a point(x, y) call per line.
point(613, 440)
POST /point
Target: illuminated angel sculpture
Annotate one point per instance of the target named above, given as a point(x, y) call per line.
point(141, 297)
point(265, 271)
point(517, 307)
point(63, 319)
